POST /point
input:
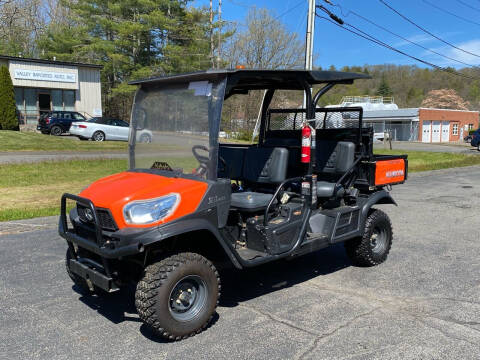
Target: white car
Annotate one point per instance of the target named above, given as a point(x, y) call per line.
point(101, 129)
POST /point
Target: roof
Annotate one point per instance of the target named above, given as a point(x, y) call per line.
point(260, 79)
point(44, 61)
point(399, 113)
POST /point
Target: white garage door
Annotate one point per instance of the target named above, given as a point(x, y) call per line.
point(426, 131)
point(435, 131)
point(445, 131)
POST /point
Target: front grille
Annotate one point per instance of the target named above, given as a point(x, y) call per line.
point(104, 218)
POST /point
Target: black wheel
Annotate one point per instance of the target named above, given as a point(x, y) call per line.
point(98, 136)
point(373, 247)
point(56, 130)
point(77, 280)
point(145, 138)
point(478, 147)
point(177, 296)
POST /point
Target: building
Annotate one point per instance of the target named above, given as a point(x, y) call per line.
point(414, 124)
point(44, 85)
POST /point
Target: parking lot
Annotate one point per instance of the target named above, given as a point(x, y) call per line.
point(423, 303)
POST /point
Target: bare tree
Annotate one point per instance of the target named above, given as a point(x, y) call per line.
point(265, 44)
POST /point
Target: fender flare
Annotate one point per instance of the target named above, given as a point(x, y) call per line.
point(189, 225)
point(379, 197)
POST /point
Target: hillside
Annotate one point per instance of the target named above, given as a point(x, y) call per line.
point(409, 84)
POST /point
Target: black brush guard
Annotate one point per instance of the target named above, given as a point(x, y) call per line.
point(94, 273)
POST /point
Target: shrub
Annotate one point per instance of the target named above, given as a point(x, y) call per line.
point(8, 111)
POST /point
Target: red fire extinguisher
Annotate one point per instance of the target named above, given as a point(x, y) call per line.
point(306, 143)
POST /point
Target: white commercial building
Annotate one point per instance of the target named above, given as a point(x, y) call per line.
point(45, 85)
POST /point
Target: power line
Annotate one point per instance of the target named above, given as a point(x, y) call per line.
point(468, 5)
point(406, 39)
point(451, 13)
point(369, 37)
point(426, 31)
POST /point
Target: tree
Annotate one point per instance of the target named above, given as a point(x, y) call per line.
point(8, 110)
point(384, 89)
point(132, 40)
point(445, 99)
point(265, 44)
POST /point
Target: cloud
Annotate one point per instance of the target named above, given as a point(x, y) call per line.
point(419, 39)
point(471, 46)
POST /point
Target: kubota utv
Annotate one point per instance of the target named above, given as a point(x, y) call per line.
point(188, 202)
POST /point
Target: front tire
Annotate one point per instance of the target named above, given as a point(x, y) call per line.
point(145, 138)
point(373, 247)
point(178, 295)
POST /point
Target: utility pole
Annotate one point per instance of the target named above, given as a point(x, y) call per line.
point(310, 33)
point(219, 58)
point(309, 42)
point(212, 58)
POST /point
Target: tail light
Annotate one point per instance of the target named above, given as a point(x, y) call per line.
point(82, 126)
point(47, 120)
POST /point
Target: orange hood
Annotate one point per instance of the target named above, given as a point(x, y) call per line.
point(115, 191)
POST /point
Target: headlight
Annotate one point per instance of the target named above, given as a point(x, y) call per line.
point(149, 211)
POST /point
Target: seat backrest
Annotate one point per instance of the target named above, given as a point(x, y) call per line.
point(233, 160)
point(265, 165)
point(335, 157)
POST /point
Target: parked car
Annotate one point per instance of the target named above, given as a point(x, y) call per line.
point(475, 141)
point(58, 122)
point(102, 128)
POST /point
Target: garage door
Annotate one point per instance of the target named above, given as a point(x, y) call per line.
point(436, 131)
point(426, 131)
point(445, 131)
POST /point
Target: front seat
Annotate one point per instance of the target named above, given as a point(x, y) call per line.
point(339, 162)
point(263, 167)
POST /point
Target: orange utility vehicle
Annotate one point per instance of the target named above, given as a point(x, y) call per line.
point(189, 203)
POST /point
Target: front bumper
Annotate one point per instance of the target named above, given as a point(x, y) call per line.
point(107, 244)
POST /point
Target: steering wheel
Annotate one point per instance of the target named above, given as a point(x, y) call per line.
point(204, 160)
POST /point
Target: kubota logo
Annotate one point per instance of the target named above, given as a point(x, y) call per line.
point(395, 173)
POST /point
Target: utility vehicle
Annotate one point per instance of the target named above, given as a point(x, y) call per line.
point(189, 204)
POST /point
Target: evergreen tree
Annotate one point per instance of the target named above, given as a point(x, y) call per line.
point(8, 111)
point(384, 88)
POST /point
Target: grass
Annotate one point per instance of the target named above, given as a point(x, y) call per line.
point(32, 190)
point(425, 161)
point(30, 141)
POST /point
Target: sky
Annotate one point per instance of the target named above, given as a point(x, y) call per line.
point(454, 21)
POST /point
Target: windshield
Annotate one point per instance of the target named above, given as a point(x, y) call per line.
point(175, 127)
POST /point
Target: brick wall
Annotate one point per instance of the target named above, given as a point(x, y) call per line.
point(458, 120)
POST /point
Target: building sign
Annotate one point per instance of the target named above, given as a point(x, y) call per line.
point(25, 74)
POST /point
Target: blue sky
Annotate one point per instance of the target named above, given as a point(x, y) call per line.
point(335, 46)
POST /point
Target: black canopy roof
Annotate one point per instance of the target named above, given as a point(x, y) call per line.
point(239, 80)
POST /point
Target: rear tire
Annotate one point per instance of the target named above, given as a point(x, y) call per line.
point(98, 136)
point(178, 295)
point(373, 247)
point(56, 130)
point(145, 138)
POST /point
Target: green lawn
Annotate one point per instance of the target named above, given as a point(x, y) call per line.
point(30, 141)
point(424, 161)
point(31, 190)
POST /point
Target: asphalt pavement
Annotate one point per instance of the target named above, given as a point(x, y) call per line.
point(422, 303)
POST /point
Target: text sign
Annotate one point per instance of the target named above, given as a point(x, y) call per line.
point(44, 76)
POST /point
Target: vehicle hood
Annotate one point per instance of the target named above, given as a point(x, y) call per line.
point(115, 191)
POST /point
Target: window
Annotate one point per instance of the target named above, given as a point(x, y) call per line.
point(66, 116)
point(69, 100)
point(57, 99)
point(455, 129)
point(470, 126)
point(78, 116)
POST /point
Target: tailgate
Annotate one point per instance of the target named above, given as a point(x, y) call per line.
point(390, 169)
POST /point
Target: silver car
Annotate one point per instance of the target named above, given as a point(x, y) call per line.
point(102, 128)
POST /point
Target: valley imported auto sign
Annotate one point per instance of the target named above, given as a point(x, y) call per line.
point(25, 74)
